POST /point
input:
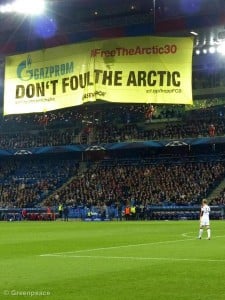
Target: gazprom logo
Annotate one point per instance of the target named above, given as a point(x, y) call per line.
point(24, 71)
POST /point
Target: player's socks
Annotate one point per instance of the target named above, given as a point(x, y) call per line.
point(209, 233)
point(200, 233)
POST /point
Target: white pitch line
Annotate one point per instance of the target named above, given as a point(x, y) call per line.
point(139, 258)
point(186, 234)
point(122, 246)
point(119, 247)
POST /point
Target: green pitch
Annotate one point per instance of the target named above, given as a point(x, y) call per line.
point(111, 260)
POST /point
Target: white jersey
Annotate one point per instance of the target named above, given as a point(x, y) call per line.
point(205, 210)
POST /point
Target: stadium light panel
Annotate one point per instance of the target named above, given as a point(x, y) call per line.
point(28, 7)
point(221, 49)
point(6, 8)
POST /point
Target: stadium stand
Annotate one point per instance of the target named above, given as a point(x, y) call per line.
point(100, 188)
point(60, 157)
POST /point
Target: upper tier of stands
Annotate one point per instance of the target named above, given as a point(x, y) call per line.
point(105, 123)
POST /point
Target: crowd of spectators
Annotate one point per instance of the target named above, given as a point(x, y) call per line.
point(105, 125)
point(110, 133)
point(43, 138)
point(25, 183)
point(33, 183)
point(219, 199)
point(141, 184)
point(81, 115)
point(103, 186)
point(133, 132)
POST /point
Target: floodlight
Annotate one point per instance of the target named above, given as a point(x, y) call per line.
point(193, 33)
point(6, 8)
point(221, 49)
point(29, 7)
point(34, 7)
point(212, 49)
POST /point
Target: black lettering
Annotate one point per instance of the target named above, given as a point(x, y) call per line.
point(82, 80)
point(54, 84)
point(151, 81)
point(168, 83)
point(118, 78)
point(97, 74)
point(74, 83)
point(107, 77)
point(89, 79)
point(40, 89)
point(161, 77)
point(30, 90)
point(131, 79)
point(141, 78)
point(175, 76)
point(20, 91)
point(65, 83)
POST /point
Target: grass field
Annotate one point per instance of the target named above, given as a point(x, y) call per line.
point(111, 260)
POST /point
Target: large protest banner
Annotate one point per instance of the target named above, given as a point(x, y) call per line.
point(124, 70)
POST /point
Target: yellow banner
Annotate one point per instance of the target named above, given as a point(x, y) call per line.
point(129, 70)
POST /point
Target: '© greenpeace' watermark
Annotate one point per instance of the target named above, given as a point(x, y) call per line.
point(26, 293)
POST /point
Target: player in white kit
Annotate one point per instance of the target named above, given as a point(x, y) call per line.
point(204, 219)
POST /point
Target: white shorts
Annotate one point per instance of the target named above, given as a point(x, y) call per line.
point(204, 222)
